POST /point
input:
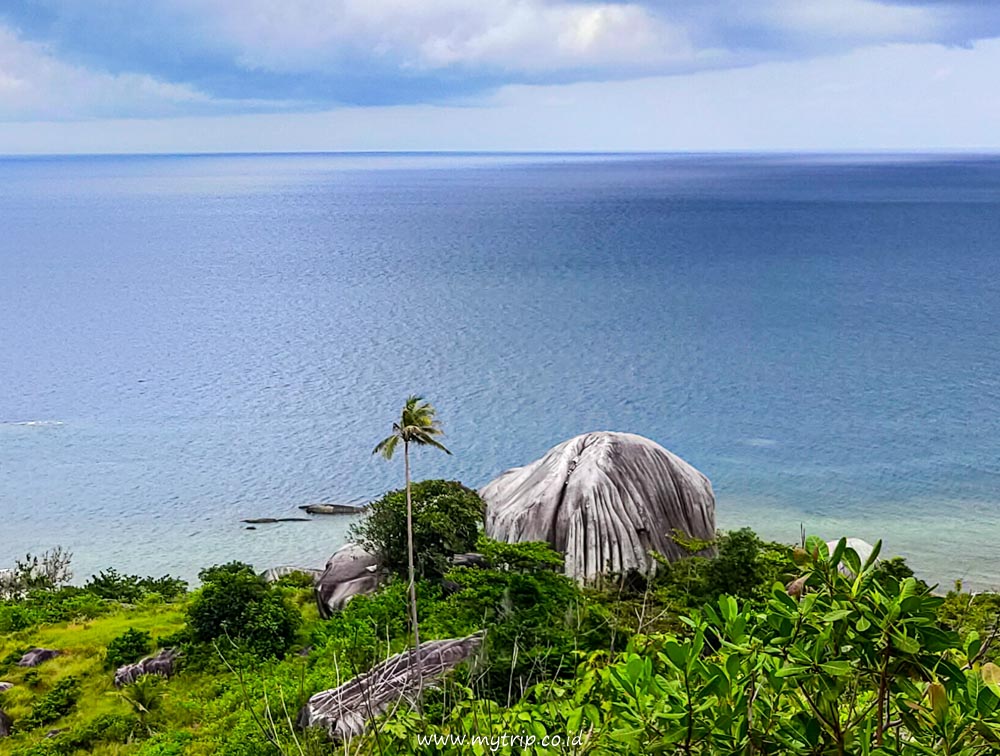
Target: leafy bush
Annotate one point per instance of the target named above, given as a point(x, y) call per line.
point(235, 602)
point(128, 648)
point(54, 605)
point(846, 665)
point(536, 617)
point(104, 729)
point(58, 702)
point(114, 586)
point(446, 520)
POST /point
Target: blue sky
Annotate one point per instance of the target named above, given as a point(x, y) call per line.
point(211, 75)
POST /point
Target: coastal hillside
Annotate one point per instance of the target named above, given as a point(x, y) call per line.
point(765, 648)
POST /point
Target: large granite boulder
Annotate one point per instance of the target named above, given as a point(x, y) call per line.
point(163, 664)
point(346, 711)
point(350, 572)
point(605, 500)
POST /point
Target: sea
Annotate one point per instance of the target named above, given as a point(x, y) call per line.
point(188, 341)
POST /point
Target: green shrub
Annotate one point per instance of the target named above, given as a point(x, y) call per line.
point(58, 702)
point(128, 648)
point(446, 521)
point(130, 589)
point(104, 729)
point(536, 618)
point(235, 603)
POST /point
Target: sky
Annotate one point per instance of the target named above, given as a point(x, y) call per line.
point(80, 76)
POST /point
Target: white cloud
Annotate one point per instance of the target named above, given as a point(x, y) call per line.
point(890, 97)
point(36, 85)
point(502, 35)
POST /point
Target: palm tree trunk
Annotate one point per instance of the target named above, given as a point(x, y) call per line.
point(413, 582)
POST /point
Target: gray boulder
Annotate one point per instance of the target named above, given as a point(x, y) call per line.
point(5, 724)
point(346, 711)
point(5, 686)
point(605, 500)
point(163, 664)
point(36, 656)
point(350, 572)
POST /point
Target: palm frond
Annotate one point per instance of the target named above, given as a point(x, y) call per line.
point(387, 446)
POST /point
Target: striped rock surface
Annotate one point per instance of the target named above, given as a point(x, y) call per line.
point(605, 500)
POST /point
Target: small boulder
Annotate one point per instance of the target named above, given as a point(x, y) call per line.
point(162, 664)
point(5, 686)
point(350, 572)
point(36, 656)
point(6, 723)
point(470, 560)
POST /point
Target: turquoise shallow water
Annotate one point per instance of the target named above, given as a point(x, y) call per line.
point(187, 341)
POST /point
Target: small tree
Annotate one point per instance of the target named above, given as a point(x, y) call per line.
point(235, 602)
point(417, 425)
point(446, 520)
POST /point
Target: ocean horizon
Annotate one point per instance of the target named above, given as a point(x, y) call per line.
point(188, 341)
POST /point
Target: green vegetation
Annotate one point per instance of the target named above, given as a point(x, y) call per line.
point(128, 648)
point(446, 520)
point(764, 649)
point(236, 605)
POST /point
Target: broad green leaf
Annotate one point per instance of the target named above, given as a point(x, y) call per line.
point(836, 668)
point(838, 553)
point(836, 615)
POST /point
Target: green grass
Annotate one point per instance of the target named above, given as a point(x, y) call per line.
point(82, 646)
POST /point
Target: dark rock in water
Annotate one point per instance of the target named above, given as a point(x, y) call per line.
point(346, 711)
point(276, 573)
point(249, 527)
point(605, 500)
point(272, 520)
point(350, 572)
point(162, 664)
point(36, 656)
point(6, 723)
point(333, 509)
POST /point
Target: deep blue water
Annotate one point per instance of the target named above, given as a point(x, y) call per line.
point(187, 341)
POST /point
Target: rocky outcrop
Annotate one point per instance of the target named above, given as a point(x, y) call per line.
point(351, 571)
point(162, 664)
point(346, 711)
point(605, 500)
point(36, 656)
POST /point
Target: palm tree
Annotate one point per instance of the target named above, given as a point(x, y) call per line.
point(417, 425)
